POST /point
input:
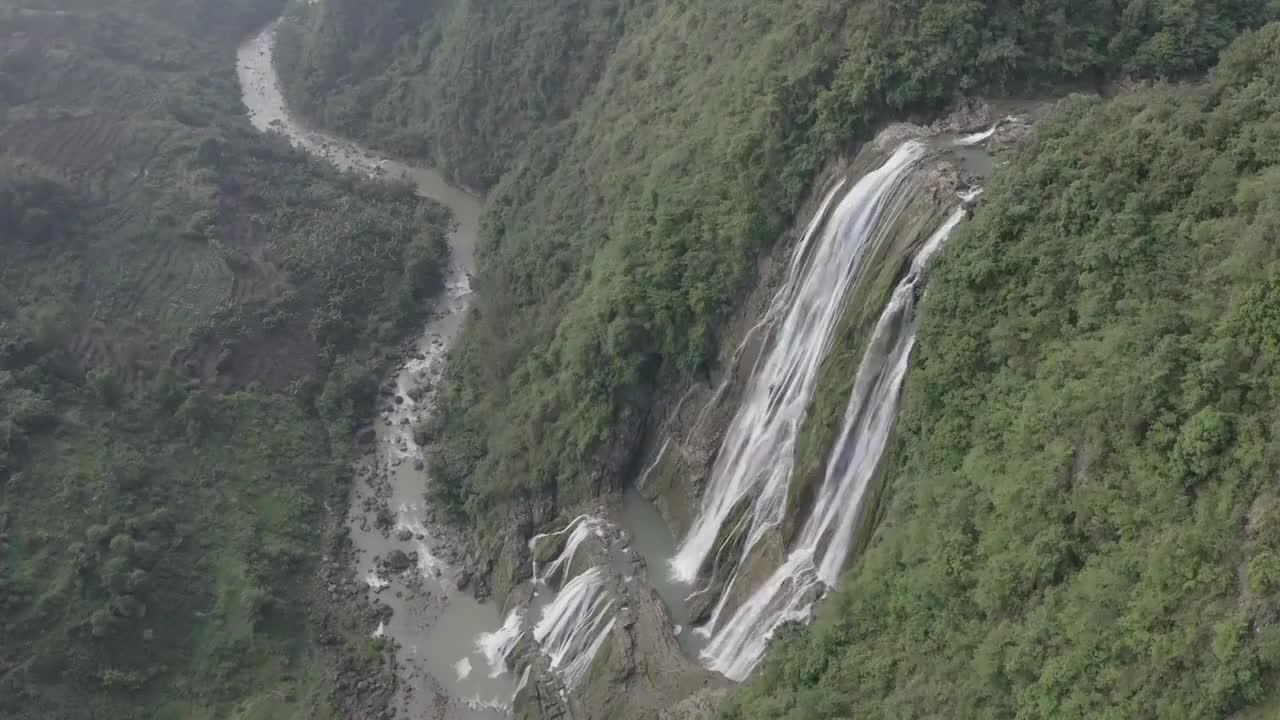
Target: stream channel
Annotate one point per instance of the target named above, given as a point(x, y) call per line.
point(443, 672)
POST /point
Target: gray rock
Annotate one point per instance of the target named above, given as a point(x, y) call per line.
point(398, 561)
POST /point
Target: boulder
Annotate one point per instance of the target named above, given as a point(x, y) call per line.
point(398, 561)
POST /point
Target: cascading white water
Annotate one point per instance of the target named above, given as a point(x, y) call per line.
point(844, 241)
point(496, 646)
point(576, 625)
point(577, 619)
point(823, 546)
point(756, 457)
point(750, 480)
point(582, 528)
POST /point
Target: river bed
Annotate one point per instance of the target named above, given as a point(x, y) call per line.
point(443, 674)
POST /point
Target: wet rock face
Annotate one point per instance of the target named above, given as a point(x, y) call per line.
point(513, 565)
point(639, 668)
point(967, 115)
point(614, 459)
point(541, 698)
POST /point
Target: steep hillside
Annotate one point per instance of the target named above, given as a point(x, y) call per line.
point(1085, 520)
point(191, 318)
point(624, 233)
point(463, 83)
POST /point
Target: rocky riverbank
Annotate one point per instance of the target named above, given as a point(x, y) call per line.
point(399, 584)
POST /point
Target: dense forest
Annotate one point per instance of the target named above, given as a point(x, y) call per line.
point(192, 316)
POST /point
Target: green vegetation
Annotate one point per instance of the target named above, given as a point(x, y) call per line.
point(1084, 520)
point(630, 220)
point(192, 319)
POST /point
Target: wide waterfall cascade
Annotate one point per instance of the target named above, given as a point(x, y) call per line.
point(755, 460)
point(815, 561)
point(745, 497)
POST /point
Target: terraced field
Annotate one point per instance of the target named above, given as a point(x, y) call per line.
point(147, 276)
point(74, 145)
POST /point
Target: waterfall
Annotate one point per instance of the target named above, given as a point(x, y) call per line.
point(576, 625)
point(582, 528)
point(868, 417)
point(746, 493)
point(755, 460)
point(815, 561)
point(496, 646)
point(575, 622)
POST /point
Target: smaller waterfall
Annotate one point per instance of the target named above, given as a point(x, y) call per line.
point(575, 620)
point(524, 681)
point(981, 137)
point(576, 625)
point(496, 646)
point(818, 556)
point(582, 528)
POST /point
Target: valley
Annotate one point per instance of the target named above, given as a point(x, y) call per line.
point(612, 359)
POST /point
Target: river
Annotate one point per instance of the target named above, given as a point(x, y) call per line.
point(443, 674)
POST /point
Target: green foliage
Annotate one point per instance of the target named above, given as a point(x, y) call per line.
point(1083, 520)
point(350, 391)
point(178, 551)
point(34, 208)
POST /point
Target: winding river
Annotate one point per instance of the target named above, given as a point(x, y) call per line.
point(443, 674)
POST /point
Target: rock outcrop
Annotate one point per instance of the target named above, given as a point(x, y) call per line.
point(636, 669)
